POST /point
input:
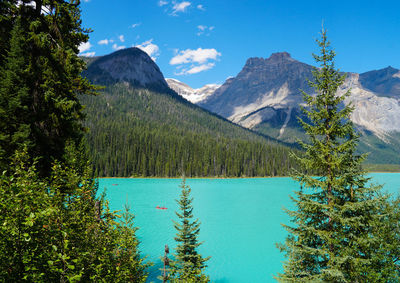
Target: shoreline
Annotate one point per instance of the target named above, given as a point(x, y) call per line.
point(211, 177)
point(221, 178)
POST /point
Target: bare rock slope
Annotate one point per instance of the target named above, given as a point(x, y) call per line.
point(266, 96)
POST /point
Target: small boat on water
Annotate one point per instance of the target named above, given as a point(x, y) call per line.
point(161, 207)
point(115, 184)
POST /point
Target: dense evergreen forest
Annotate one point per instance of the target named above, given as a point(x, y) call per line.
point(53, 225)
point(138, 132)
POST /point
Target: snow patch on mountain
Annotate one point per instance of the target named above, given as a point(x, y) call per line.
point(190, 94)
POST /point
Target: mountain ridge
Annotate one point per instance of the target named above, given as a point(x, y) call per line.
point(265, 96)
point(127, 65)
point(136, 129)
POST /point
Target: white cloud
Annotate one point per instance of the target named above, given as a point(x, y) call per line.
point(88, 54)
point(191, 61)
point(103, 42)
point(136, 25)
point(85, 46)
point(121, 38)
point(162, 3)
point(180, 7)
point(199, 56)
point(201, 7)
point(197, 69)
point(150, 48)
point(204, 29)
point(116, 47)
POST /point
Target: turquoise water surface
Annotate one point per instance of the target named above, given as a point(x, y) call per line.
point(240, 220)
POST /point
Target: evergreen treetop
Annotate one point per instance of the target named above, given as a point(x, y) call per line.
point(335, 237)
point(189, 264)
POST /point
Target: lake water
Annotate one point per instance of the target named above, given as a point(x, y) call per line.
point(240, 220)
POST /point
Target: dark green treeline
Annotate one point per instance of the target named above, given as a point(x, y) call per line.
point(136, 132)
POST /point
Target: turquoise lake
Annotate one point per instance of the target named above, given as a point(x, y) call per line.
point(240, 220)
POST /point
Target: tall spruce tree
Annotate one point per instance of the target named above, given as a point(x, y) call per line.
point(52, 225)
point(14, 98)
point(189, 264)
point(7, 14)
point(41, 76)
point(337, 231)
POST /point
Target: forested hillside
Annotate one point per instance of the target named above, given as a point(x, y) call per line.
point(137, 132)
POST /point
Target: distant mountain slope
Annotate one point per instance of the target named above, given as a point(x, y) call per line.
point(266, 97)
point(143, 128)
point(190, 94)
point(261, 83)
point(384, 82)
point(128, 65)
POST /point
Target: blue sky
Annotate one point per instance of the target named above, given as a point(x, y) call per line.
point(206, 41)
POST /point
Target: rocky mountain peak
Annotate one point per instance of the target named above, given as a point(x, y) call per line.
point(254, 61)
point(130, 65)
point(279, 57)
point(275, 58)
point(261, 82)
point(385, 81)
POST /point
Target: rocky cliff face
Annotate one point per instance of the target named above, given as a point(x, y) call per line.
point(266, 96)
point(267, 87)
point(384, 82)
point(130, 65)
point(375, 111)
point(262, 83)
point(190, 94)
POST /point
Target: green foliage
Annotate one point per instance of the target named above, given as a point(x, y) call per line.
point(339, 224)
point(14, 99)
point(130, 265)
point(52, 226)
point(189, 264)
point(380, 152)
point(7, 14)
point(40, 80)
point(56, 230)
point(136, 132)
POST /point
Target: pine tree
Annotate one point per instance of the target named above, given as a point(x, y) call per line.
point(7, 14)
point(41, 60)
point(189, 264)
point(15, 127)
point(336, 236)
point(53, 228)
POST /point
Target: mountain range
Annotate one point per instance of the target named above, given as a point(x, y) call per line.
point(266, 97)
point(138, 126)
point(142, 124)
